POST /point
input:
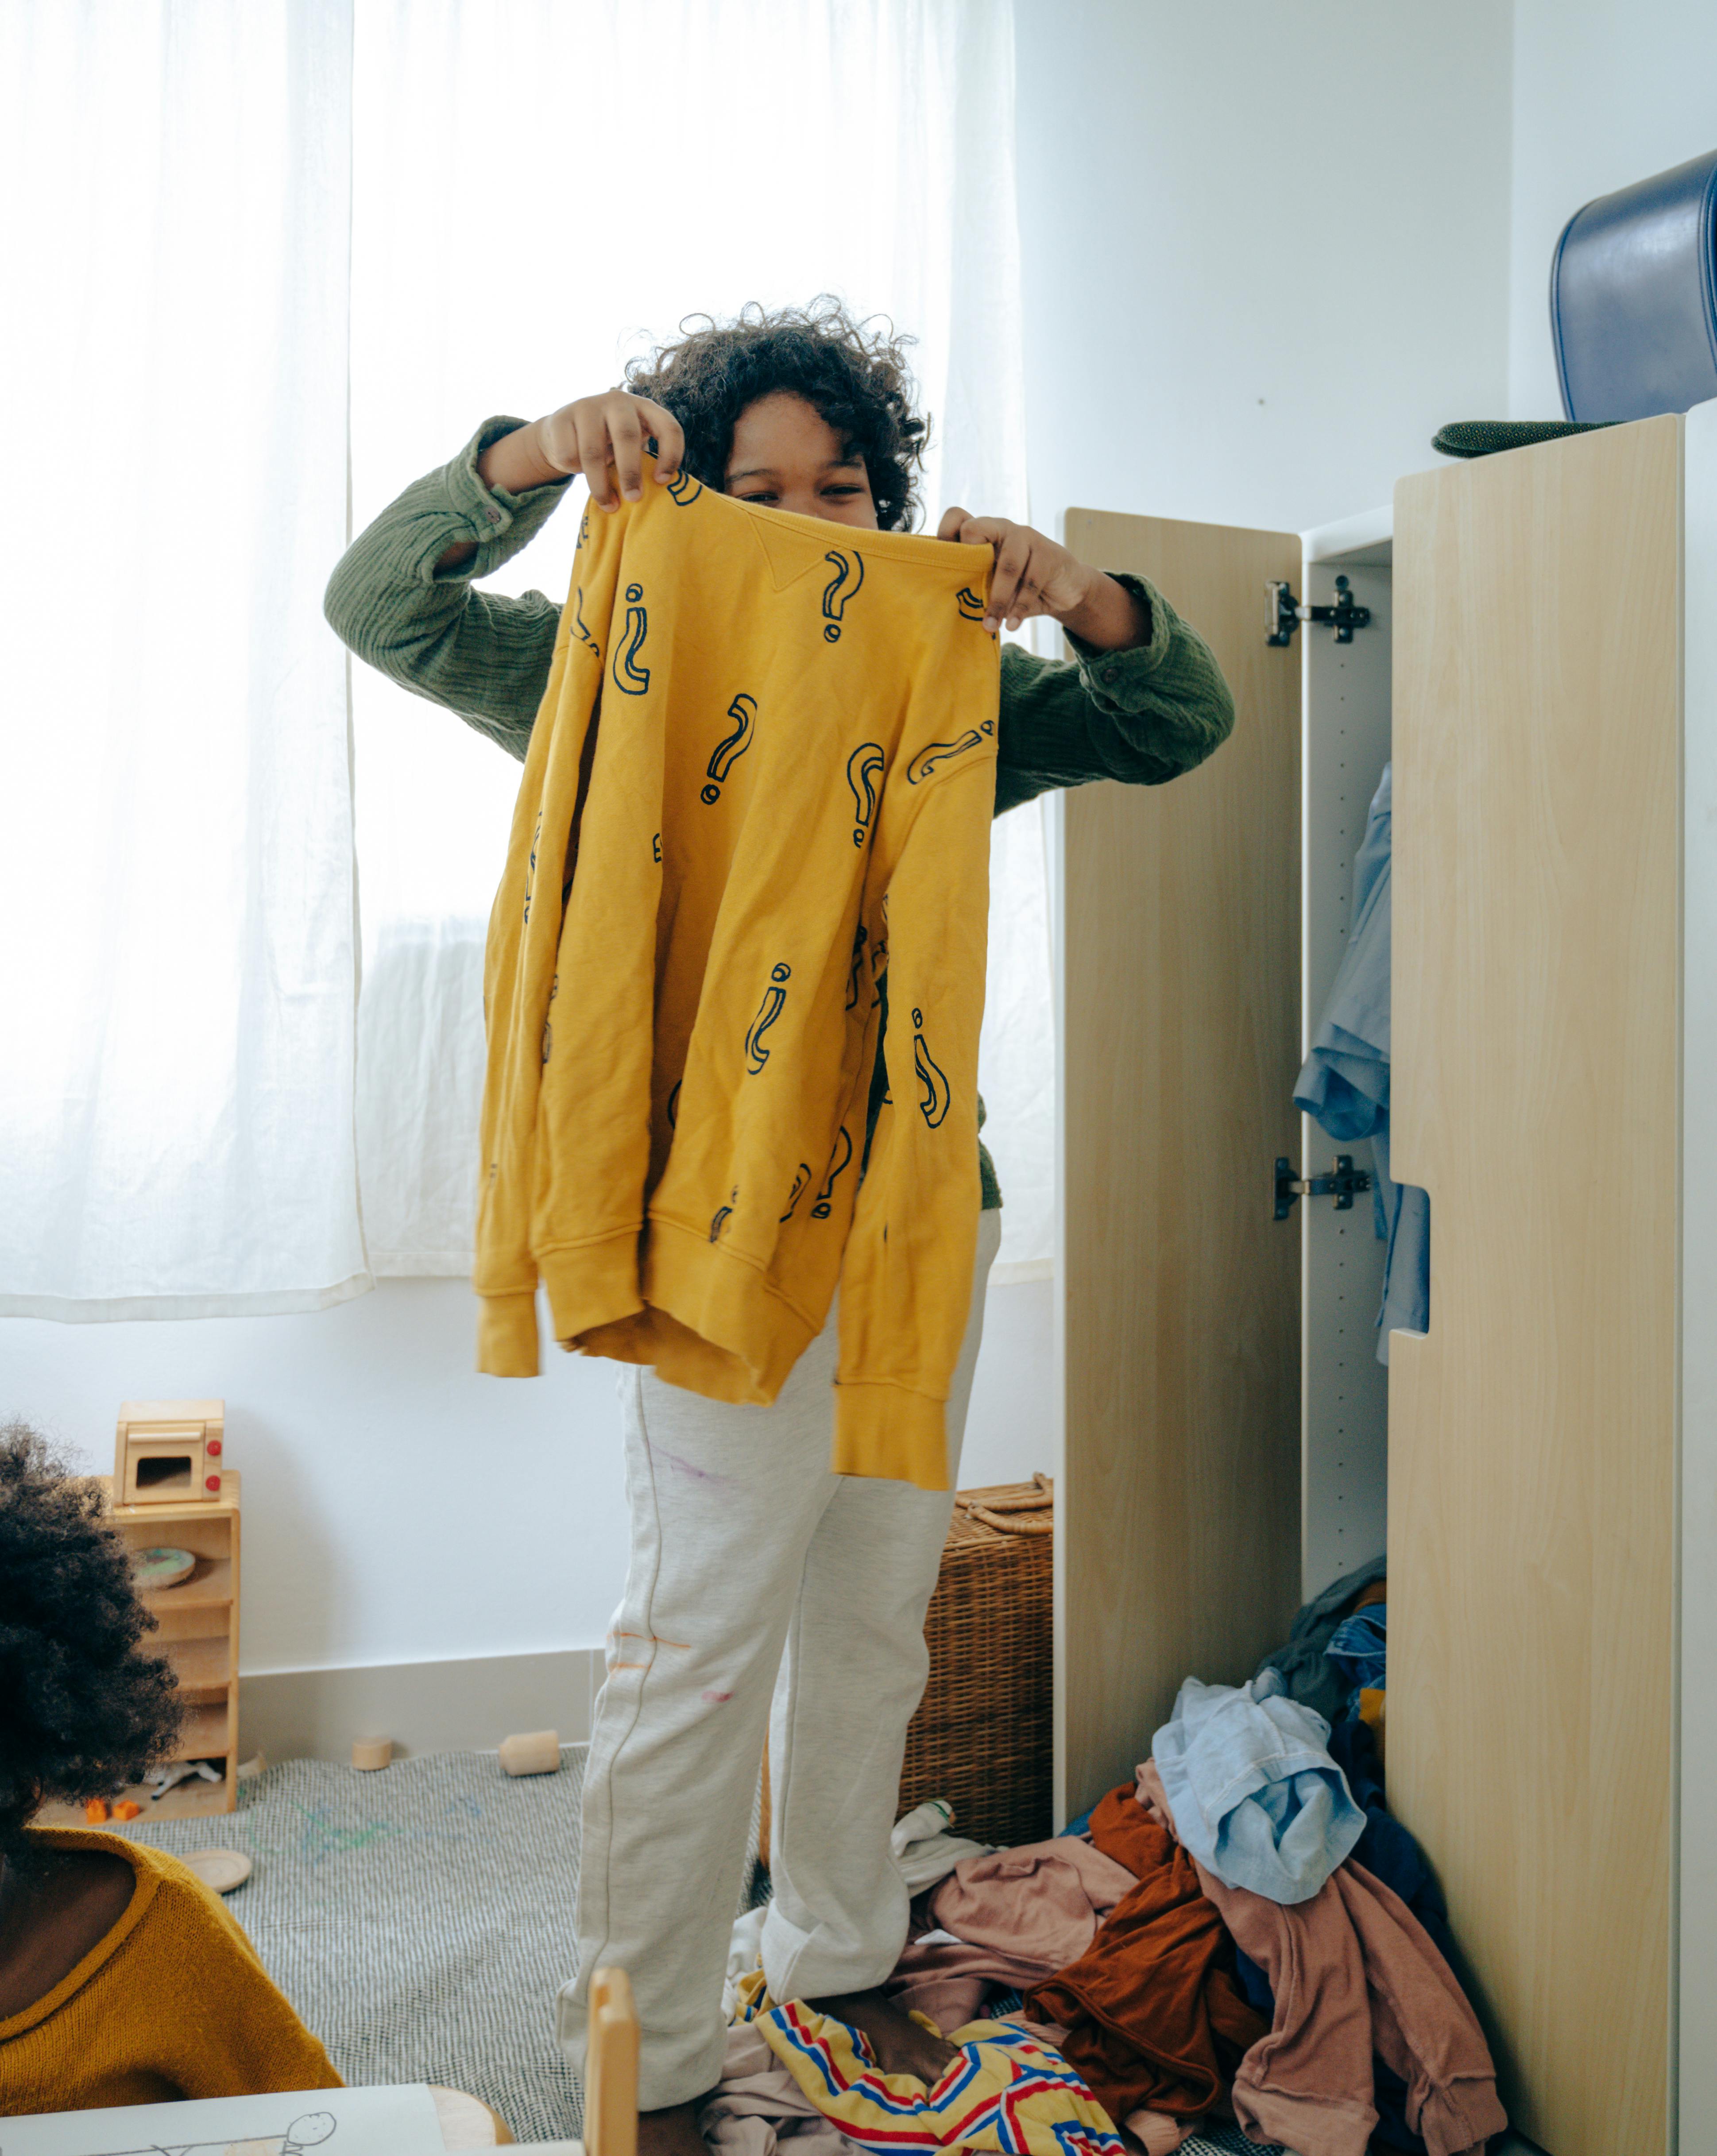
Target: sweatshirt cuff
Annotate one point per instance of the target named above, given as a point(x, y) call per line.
point(507, 1335)
point(891, 1434)
point(1118, 682)
point(501, 523)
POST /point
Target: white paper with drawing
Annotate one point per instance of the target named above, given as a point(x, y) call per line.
point(337, 2122)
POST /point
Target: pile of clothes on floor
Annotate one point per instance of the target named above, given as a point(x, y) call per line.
point(1242, 1932)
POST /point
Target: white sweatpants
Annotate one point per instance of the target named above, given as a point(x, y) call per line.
point(750, 1558)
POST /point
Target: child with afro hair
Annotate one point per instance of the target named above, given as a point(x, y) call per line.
point(122, 1978)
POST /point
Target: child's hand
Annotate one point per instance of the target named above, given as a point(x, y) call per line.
point(594, 433)
point(1035, 576)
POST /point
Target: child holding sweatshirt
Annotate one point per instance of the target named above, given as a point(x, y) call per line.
point(750, 1560)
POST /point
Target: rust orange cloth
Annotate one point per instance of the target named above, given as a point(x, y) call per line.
point(1153, 2019)
point(172, 2004)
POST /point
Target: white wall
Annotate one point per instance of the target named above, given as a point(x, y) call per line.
point(1265, 256)
point(1266, 249)
point(1604, 94)
point(398, 1507)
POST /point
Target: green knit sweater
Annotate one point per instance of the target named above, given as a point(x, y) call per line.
point(1142, 715)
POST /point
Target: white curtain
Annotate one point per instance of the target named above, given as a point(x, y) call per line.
point(259, 252)
point(540, 190)
point(176, 960)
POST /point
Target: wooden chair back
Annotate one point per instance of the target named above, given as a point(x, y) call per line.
point(611, 2067)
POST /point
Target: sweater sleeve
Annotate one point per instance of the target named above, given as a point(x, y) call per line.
point(481, 654)
point(225, 2026)
point(1143, 715)
point(905, 1280)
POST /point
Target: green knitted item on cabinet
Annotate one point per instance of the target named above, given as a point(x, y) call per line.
point(1485, 437)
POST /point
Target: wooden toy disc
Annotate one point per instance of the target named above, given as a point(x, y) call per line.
point(222, 1869)
point(162, 1567)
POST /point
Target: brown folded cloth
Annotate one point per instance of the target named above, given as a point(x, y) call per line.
point(1041, 1901)
point(1154, 2019)
point(1355, 1972)
point(948, 1981)
point(1016, 1917)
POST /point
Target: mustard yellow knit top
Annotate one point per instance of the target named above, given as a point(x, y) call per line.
point(172, 2004)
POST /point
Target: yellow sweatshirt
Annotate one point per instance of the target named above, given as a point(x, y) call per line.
point(172, 2004)
point(763, 770)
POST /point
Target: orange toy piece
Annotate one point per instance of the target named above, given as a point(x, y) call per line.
point(95, 1811)
point(125, 1809)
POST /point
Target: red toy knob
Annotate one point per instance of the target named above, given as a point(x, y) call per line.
point(213, 1448)
point(211, 1481)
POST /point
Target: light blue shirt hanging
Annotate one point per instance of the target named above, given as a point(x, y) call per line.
point(1344, 1086)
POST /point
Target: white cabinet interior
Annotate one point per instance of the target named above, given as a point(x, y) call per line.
point(1345, 1389)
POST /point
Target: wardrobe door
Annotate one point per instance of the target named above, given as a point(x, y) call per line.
point(1178, 970)
point(1533, 1429)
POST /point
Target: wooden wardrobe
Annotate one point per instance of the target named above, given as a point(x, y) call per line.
point(1541, 665)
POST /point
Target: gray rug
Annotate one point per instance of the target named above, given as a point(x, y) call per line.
point(420, 1919)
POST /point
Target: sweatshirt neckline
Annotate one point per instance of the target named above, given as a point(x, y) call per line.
point(147, 1878)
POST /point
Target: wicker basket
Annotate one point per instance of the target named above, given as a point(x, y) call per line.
point(983, 1735)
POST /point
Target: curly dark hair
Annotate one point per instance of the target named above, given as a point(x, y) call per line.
point(82, 1711)
point(852, 373)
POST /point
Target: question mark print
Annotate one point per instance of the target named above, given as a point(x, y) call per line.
point(774, 996)
point(674, 1105)
point(940, 752)
point(937, 1094)
point(584, 635)
point(843, 1154)
point(742, 710)
point(723, 1216)
point(686, 489)
point(842, 588)
point(799, 1181)
point(628, 674)
point(531, 867)
point(970, 604)
point(864, 768)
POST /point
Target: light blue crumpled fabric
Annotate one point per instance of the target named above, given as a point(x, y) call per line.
point(1344, 1086)
point(1256, 1796)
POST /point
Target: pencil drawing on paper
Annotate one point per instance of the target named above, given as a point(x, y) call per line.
point(312, 2129)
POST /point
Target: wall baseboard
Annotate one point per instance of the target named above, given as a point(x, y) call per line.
point(464, 1705)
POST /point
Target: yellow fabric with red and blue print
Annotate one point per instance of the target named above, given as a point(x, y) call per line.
point(1007, 2092)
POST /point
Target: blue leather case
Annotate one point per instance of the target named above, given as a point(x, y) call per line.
point(1633, 298)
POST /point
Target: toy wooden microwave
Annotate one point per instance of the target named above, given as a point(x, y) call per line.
point(169, 1452)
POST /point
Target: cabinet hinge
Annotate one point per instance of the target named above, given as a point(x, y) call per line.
point(1286, 612)
point(1343, 1184)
